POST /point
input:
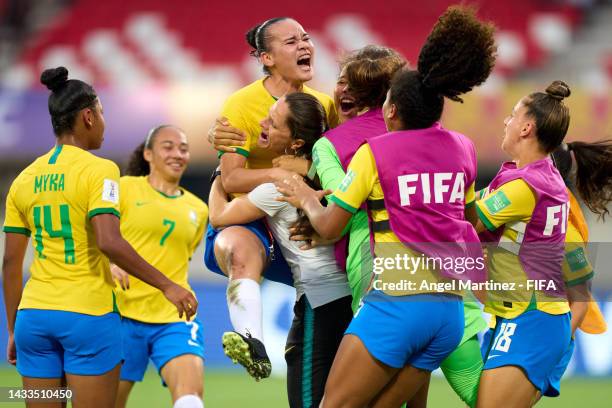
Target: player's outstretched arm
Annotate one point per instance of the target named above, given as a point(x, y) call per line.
point(121, 253)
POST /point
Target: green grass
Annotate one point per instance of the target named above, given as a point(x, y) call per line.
point(235, 389)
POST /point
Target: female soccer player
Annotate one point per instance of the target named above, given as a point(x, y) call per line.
point(165, 224)
point(413, 330)
point(242, 252)
point(67, 327)
point(525, 212)
point(323, 307)
point(362, 84)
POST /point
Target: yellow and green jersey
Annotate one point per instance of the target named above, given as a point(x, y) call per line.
point(511, 206)
point(362, 183)
point(165, 231)
point(247, 107)
point(53, 200)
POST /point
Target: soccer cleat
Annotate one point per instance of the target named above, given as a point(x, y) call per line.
point(248, 352)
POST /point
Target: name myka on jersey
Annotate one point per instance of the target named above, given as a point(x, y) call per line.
point(459, 285)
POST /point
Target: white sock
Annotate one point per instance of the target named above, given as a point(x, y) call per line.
point(244, 304)
point(189, 401)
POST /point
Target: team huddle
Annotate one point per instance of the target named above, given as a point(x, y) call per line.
point(346, 199)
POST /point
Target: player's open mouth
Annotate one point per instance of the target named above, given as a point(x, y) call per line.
point(264, 139)
point(347, 105)
point(304, 62)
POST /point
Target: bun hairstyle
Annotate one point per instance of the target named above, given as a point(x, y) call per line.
point(259, 40)
point(551, 116)
point(306, 120)
point(68, 97)
point(458, 55)
point(592, 173)
point(369, 77)
point(558, 90)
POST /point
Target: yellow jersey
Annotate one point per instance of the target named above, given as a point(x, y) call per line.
point(165, 231)
point(504, 266)
point(247, 107)
point(54, 199)
point(360, 184)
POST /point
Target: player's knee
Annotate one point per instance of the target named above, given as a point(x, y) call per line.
point(240, 252)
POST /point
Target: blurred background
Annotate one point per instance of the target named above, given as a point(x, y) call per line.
point(155, 61)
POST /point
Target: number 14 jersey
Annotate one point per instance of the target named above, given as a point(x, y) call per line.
point(53, 201)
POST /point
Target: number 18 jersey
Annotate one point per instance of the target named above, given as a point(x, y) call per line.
point(53, 200)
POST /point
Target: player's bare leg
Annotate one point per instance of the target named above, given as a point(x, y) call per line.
point(355, 377)
point(184, 375)
point(98, 391)
point(125, 387)
point(505, 386)
point(242, 257)
point(409, 385)
point(43, 384)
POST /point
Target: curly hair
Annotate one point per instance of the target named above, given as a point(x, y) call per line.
point(458, 55)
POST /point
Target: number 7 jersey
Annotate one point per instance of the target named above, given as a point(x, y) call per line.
point(164, 230)
point(53, 200)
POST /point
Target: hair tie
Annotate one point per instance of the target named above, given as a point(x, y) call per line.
point(261, 27)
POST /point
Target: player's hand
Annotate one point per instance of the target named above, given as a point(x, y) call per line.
point(11, 351)
point(183, 299)
point(121, 276)
point(295, 164)
point(296, 192)
point(311, 241)
point(222, 136)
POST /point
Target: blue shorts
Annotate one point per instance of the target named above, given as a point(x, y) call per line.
point(417, 330)
point(51, 343)
point(278, 270)
point(539, 343)
point(161, 342)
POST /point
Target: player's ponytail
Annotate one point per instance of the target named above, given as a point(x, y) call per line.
point(458, 55)
point(137, 165)
point(593, 171)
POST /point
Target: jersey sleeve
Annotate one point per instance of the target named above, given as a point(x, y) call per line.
point(576, 265)
point(232, 110)
point(470, 195)
point(264, 197)
point(327, 163)
point(359, 181)
point(103, 189)
point(512, 201)
point(15, 221)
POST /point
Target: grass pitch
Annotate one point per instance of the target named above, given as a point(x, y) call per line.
point(229, 389)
